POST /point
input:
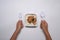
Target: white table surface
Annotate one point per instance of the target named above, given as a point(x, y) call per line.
point(9, 10)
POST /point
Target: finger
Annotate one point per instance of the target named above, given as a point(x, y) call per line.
point(18, 22)
point(45, 22)
point(41, 24)
point(21, 23)
point(42, 21)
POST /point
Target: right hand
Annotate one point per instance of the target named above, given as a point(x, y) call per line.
point(44, 25)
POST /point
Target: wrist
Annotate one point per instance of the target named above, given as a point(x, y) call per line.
point(18, 30)
point(45, 31)
point(48, 37)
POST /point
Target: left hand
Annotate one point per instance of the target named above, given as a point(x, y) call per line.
point(19, 25)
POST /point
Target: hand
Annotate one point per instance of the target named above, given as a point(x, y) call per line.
point(19, 25)
point(44, 25)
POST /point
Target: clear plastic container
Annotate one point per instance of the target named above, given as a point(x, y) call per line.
point(31, 20)
point(42, 15)
point(20, 16)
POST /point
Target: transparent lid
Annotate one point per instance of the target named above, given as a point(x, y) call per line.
point(20, 16)
point(42, 15)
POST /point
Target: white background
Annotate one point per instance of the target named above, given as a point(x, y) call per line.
point(9, 10)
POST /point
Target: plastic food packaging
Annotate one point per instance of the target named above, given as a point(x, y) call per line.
point(31, 20)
